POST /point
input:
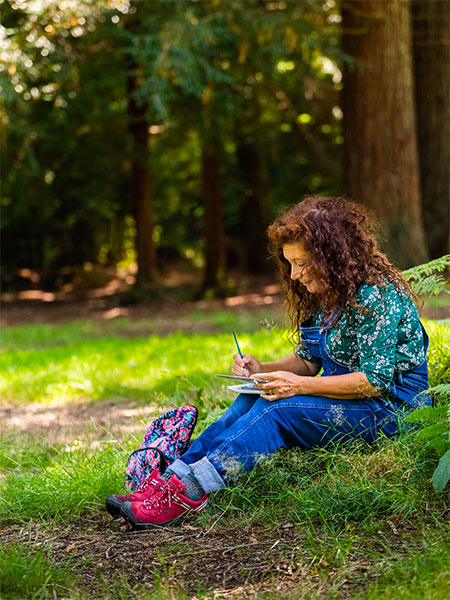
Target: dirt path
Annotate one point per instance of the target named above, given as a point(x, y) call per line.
point(77, 421)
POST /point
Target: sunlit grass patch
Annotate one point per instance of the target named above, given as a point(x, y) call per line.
point(39, 336)
point(439, 352)
point(42, 336)
point(24, 453)
point(128, 368)
point(141, 368)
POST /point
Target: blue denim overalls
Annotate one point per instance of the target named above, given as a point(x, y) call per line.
point(253, 427)
point(406, 388)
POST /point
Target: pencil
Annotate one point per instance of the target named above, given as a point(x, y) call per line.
point(239, 350)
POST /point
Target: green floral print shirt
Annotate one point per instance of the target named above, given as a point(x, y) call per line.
point(388, 339)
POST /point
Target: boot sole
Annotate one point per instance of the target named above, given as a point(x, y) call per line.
point(113, 506)
point(128, 515)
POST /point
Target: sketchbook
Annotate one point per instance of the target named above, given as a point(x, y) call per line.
point(248, 385)
point(245, 388)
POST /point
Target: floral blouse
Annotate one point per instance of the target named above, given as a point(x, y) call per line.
point(388, 339)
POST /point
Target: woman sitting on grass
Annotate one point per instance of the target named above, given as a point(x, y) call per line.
point(352, 315)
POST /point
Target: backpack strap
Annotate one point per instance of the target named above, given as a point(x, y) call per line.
point(162, 456)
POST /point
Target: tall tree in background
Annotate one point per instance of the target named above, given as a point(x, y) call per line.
point(381, 158)
point(141, 186)
point(255, 209)
point(213, 219)
point(431, 44)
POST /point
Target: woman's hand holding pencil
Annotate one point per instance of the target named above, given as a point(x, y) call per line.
point(246, 366)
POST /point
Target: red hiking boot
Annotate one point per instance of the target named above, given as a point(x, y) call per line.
point(146, 489)
point(166, 506)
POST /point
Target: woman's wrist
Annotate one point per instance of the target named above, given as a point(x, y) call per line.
point(268, 367)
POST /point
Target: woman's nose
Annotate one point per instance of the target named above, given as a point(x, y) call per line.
point(297, 272)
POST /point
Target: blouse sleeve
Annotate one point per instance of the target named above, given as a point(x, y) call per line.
point(377, 333)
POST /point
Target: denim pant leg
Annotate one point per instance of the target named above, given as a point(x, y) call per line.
point(303, 421)
point(201, 445)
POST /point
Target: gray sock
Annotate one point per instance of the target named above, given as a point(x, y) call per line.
point(167, 475)
point(194, 490)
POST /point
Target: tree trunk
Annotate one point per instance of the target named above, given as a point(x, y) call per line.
point(431, 35)
point(254, 214)
point(381, 162)
point(141, 189)
point(142, 192)
point(212, 202)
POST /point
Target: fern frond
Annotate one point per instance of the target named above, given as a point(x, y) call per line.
point(424, 279)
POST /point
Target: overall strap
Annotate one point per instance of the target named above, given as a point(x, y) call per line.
point(335, 315)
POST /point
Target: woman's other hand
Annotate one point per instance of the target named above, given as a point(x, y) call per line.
point(251, 364)
point(281, 384)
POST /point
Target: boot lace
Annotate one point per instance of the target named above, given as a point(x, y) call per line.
point(143, 485)
point(162, 494)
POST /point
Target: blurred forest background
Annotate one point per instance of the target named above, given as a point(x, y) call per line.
point(142, 134)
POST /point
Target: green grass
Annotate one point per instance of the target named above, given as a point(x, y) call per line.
point(81, 366)
point(341, 501)
point(62, 484)
point(30, 574)
point(40, 337)
point(423, 572)
point(331, 489)
point(126, 368)
point(439, 352)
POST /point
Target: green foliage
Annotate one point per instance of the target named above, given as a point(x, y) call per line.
point(62, 122)
point(435, 431)
point(424, 279)
point(441, 475)
point(260, 73)
point(435, 420)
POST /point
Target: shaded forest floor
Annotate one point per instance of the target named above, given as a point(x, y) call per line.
point(172, 303)
point(110, 301)
point(221, 561)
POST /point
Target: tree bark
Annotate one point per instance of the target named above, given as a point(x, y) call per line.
point(431, 35)
point(380, 149)
point(254, 215)
point(213, 222)
point(141, 186)
point(142, 191)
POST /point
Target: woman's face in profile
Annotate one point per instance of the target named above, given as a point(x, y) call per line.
point(298, 258)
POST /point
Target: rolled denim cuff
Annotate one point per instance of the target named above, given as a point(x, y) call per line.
point(207, 476)
point(179, 468)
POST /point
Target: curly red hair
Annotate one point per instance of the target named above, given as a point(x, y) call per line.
point(339, 237)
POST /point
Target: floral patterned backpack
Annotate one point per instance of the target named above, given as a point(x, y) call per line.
point(164, 441)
